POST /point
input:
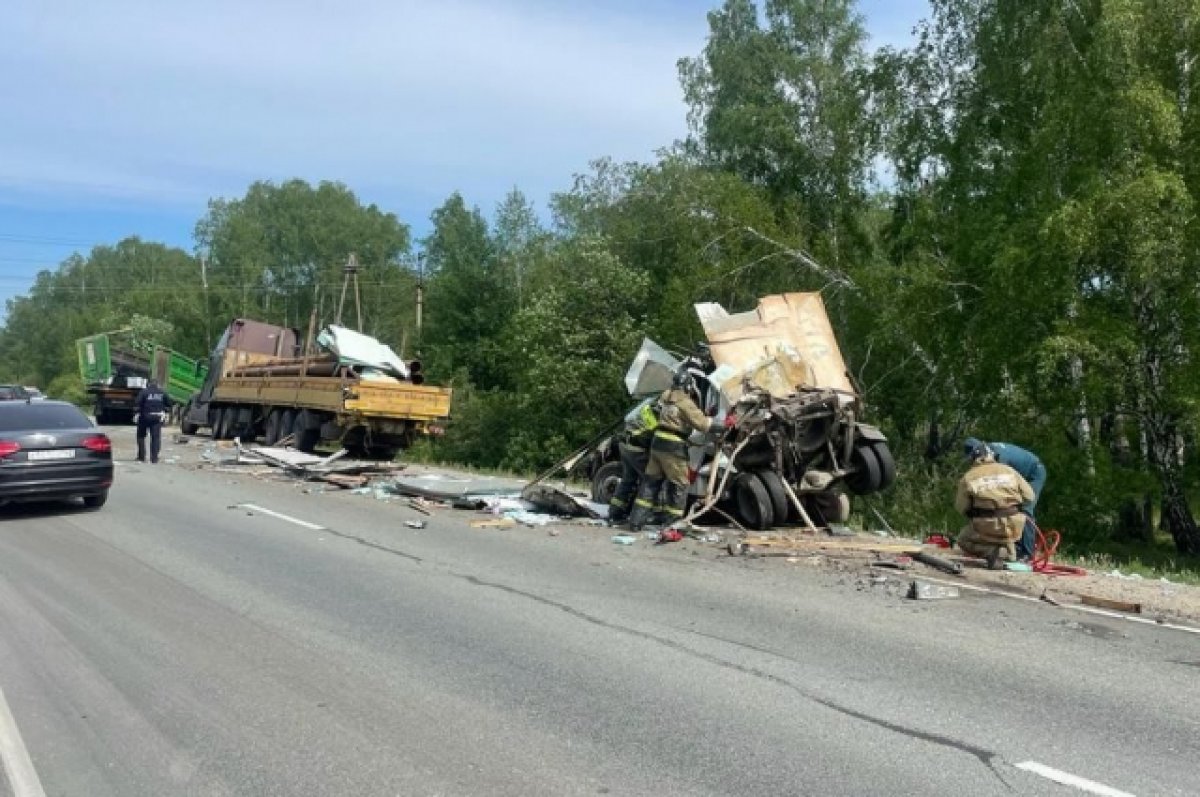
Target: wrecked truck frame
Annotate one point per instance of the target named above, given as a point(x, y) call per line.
point(799, 433)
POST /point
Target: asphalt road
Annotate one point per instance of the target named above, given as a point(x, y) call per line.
point(169, 644)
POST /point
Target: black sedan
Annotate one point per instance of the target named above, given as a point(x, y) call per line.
point(49, 450)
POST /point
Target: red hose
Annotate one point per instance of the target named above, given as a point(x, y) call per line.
point(1047, 546)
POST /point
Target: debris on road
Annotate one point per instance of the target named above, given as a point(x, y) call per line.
point(1107, 603)
point(624, 539)
point(925, 591)
point(415, 524)
point(937, 562)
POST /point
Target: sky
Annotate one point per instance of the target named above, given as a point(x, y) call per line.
point(124, 117)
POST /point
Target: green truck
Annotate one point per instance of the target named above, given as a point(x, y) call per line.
point(116, 365)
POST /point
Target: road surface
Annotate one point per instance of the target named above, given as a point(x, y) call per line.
point(211, 634)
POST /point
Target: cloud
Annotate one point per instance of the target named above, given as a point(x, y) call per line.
point(170, 101)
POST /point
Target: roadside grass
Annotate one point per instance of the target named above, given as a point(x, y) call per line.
point(1152, 560)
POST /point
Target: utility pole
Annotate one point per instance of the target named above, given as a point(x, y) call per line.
point(420, 295)
point(351, 274)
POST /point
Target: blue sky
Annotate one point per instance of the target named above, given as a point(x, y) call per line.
point(124, 117)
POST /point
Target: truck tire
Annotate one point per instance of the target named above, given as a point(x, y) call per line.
point(868, 473)
point(887, 464)
point(186, 427)
point(833, 507)
point(271, 433)
point(780, 503)
point(605, 481)
point(221, 426)
point(754, 503)
point(307, 439)
point(287, 425)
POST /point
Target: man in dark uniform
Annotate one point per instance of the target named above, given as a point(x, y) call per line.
point(152, 406)
point(678, 417)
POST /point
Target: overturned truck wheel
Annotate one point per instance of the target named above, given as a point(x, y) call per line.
point(754, 502)
point(867, 475)
point(781, 505)
point(605, 481)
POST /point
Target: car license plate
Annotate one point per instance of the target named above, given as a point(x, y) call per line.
point(68, 453)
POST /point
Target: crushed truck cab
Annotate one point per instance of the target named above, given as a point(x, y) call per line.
point(800, 434)
point(351, 390)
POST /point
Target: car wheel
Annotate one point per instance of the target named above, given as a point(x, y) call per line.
point(780, 503)
point(605, 481)
point(754, 503)
point(95, 501)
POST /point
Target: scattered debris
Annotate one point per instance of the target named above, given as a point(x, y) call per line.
point(624, 539)
point(415, 524)
point(494, 523)
point(1018, 567)
point(938, 563)
point(1108, 603)
point(925, 591)
point(559, 502)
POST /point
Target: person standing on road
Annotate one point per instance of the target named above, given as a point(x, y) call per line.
point(991, 495)
point(634, 448)
point(667, 470)
point(152, 406)
point(1032, 470)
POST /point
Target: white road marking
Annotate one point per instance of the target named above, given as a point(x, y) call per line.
point(21, 775)
point(1067, 779)
point(281, 516)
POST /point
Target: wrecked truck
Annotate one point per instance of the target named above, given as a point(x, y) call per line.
point(348, 388)
point(799, 431)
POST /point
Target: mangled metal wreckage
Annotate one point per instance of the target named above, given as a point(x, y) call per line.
point(799, 437)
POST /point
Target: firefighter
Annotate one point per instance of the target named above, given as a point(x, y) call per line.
point(991, 494)
point(667, 470)
point(152, 406)
point(634, 448)
point(1032, 470)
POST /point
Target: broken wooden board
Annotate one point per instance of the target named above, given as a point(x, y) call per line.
point(497, 523)
point(809, 543)
point(1107, 603)
point(343, 480)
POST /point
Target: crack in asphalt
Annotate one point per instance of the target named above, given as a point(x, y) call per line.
point(376, 546)
point(988, 758)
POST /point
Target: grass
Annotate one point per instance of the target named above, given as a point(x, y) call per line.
point(1153, 560)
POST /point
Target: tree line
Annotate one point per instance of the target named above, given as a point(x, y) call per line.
point(1001, 218)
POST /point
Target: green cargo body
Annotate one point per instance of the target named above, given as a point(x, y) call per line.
point(104, 356)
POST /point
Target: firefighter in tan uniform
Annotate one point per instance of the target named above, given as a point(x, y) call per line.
point(667, 472)
point(991, 495)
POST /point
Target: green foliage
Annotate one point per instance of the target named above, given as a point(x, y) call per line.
point(1028, 275)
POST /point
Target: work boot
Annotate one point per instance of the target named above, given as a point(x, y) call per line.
point(993, 560)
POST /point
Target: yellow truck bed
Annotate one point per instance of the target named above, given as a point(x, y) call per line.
point(364, 398)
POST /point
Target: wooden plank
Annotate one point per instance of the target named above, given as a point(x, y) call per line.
point(844, 545)
point(498, 523)
point(1108, 603)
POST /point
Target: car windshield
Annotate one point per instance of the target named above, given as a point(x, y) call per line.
point(23, 417)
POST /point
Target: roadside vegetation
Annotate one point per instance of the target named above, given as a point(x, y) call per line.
point(1002, 220)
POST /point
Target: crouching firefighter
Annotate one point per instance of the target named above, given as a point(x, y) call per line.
point(634, 448)
point(664, 488)
point(991, 495)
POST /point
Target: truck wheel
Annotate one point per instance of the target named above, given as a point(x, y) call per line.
point(754, 503)
point(780, 503)
point(833, 507)
point(605, 481)
point(887, 464)
point(186, 427)
point(221, 423)
point(307, 439)
point(272, 434)
point(868, 473)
